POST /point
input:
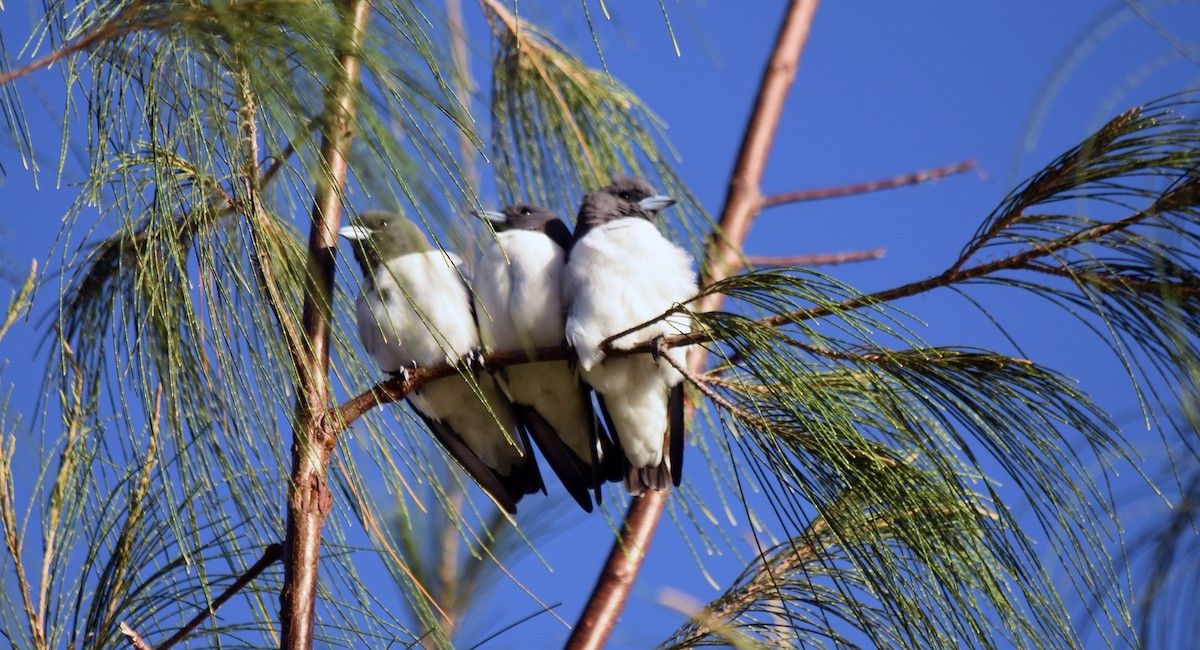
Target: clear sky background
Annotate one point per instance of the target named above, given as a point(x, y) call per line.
point(883, 89)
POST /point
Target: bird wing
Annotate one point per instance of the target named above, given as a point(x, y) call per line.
point(608, 458)
point(574, 473)
point(675, 432)
point(504, 490)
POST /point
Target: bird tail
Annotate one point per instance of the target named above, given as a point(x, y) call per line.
point(575, 474)
point(640, 479)
point(670, 471)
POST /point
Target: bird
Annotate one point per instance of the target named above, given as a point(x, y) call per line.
point(415, 310)
point(621, 273)
point(518, 305)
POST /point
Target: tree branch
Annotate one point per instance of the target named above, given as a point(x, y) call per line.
point(818, 259)
point(869, 186)
point(308, 495)
point(271, 554)
point(112, 28)
point(721, 258)
point(135, 640)
point(1181, 195)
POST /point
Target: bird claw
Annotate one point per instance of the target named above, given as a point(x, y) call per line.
point(474, 360)
point(572, 357)
point(405, 372)
point(656, 350)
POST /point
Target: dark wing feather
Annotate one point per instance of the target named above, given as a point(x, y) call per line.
point(573, 471)
point(526, 478)
point(610, 467)
point(675, 432)
point(506, 491)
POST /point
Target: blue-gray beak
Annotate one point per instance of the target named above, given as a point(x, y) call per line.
point(656, 203)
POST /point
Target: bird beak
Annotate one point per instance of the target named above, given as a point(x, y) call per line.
point(497, 218)
point(355, 233)
point(656, 203)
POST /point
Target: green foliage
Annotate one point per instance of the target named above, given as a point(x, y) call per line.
point(862, 443)
point(561, 128)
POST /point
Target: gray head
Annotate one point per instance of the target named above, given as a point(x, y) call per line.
point(624, 197)
point(378, 236)
point(534, 218)
point(628, 189)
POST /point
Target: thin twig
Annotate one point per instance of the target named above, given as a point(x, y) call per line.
point(902, 180)
point(288, 151)
point(722, 255)
point(112, 28)
point(135, 640)
point(818, 259)
point(701, 384)
point(1180, 195)
point(271, 554)
point(1114, 281)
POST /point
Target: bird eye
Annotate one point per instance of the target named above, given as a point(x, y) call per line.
point(624, 196)
point(525, 212)
point(383, 223)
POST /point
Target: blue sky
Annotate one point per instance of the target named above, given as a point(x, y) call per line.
point(882, 89)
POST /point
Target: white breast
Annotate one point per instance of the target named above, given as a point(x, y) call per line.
point(518, 293)
point(620, 274)
point(419, 311)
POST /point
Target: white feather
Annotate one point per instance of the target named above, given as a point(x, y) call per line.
point(419, 312)
point(621, 274)
point(519, 306)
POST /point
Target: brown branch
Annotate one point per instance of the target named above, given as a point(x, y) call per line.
point(902, 180)
point(721, 258)
point(271, 554)
point(308, 495)
point(135, 640)
point(818, 259)
point(262, 230)
point(1115, 281)
point(1182, 194)
point(114, 27)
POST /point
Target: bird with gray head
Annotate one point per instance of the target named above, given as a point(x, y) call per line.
point(622, 273)
point(518, 304)
point(415, 310)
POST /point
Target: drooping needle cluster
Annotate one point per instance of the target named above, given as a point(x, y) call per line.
point(594, 419)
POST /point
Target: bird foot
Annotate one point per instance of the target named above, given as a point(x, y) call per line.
point(405, 372)
point(475, 360)
point(572, 357)
point(656, 349)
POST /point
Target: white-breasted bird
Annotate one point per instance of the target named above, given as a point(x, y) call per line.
point(415, 310)
point(622, 272)
point(518, 305)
